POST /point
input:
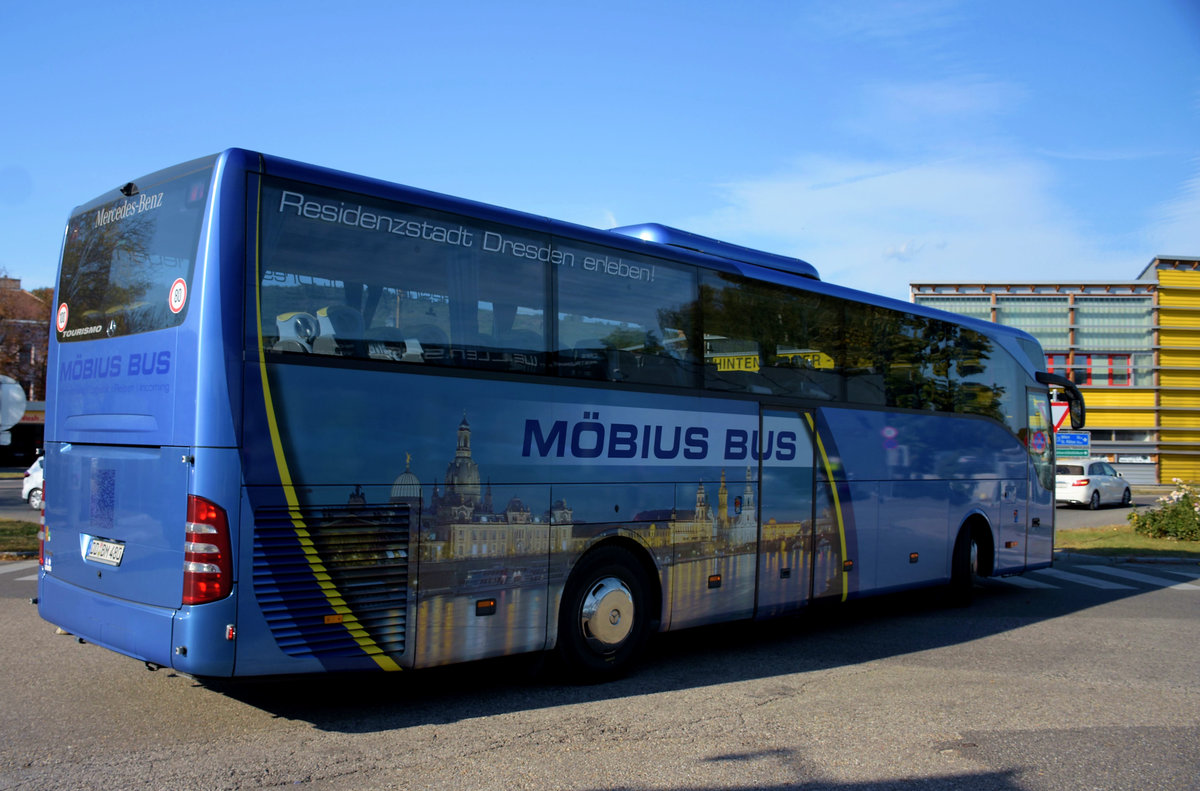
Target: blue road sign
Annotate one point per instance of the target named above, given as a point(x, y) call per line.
point(1073, 444)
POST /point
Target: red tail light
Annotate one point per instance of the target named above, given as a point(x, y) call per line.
point(1081, 482)
point(207, 557)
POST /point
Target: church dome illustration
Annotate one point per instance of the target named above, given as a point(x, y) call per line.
point(407, 486)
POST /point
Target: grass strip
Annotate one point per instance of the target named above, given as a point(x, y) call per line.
point(1121, 541)
point(18, 536)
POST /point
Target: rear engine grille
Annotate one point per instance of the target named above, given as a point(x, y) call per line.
point(334, 581)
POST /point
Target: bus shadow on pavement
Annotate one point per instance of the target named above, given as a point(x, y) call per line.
point(820, 638)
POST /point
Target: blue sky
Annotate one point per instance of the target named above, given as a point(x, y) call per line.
point(884, 142)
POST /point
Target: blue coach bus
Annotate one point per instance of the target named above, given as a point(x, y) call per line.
point(304, 421)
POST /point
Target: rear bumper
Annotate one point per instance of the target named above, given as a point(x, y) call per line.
point(137, 630)
point(193, 640)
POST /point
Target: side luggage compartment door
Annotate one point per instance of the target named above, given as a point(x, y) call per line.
point(786, 548)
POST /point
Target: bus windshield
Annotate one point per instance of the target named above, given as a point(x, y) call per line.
point(127, 263)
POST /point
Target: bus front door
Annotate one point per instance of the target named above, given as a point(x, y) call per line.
point(1039, 544)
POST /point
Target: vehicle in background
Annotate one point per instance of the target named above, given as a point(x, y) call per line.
point(31, 489)
point(1090, 482)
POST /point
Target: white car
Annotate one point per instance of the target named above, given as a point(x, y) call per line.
point(31, 489)
point(1090, 482)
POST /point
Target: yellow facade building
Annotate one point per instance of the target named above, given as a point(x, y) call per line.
point(1132, 347)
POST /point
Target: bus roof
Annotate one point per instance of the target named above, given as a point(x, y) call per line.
point(663, 234)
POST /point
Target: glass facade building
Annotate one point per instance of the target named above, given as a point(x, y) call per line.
point(1132, 347)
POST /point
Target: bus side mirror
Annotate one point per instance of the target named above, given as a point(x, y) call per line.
point(1076, 409)
point(1070, 392)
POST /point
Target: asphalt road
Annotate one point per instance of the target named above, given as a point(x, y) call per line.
point(1078, 677)
point(11, 504)
point(1082, 677)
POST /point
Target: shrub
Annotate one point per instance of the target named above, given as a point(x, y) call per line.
point(1176, 516)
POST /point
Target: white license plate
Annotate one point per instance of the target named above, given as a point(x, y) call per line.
point(106, 552)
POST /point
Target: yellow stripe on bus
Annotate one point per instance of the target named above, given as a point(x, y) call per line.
point(332, 594)
point(837, 503)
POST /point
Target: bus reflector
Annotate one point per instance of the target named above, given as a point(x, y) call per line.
point(42, 530)
point(207, 556)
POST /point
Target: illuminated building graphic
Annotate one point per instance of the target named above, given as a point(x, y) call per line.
point(461, 522)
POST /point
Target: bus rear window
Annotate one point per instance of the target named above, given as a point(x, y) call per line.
point(127, 263)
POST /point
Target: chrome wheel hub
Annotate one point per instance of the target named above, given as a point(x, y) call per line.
point(606, 617)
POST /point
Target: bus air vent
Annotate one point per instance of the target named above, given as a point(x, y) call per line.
point(357, 556)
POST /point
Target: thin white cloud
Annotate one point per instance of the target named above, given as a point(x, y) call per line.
point(1175, 229)
point(878, 225)
point(1115, 154)
point(939, 101)
point(904, 252)
point(900, 23)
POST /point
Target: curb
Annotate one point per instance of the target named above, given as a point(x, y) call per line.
point(1067, 554)
point(18, 556)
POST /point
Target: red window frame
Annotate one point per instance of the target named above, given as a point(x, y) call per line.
point(1123, 377)
point(1119, 371)
point(1081, 369)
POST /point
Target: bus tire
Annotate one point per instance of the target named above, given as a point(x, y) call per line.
point(964, 567)
point(603, 619)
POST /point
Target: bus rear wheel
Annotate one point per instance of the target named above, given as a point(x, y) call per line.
point(603, 619)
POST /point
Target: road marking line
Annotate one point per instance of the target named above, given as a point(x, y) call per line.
point(1158, 582)
point(1091, 582)
point(20, 565)
point(31, 578)
point(1025, 582)
point(1192, 575)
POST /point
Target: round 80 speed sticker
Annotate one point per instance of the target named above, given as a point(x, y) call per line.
point(178, 297)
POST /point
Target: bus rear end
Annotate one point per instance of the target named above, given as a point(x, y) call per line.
point(141, 477)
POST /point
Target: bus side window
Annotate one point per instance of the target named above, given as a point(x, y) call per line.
point(429, 341)
point(761, 338)
point(295, 331)
point(587, 359)
point(624, 317)
point(387, 343)
point(341, 331)
point(526, 350)
point(661, 369)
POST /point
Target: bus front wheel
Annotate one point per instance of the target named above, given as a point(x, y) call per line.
point(603, 619)
point(964, 567)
